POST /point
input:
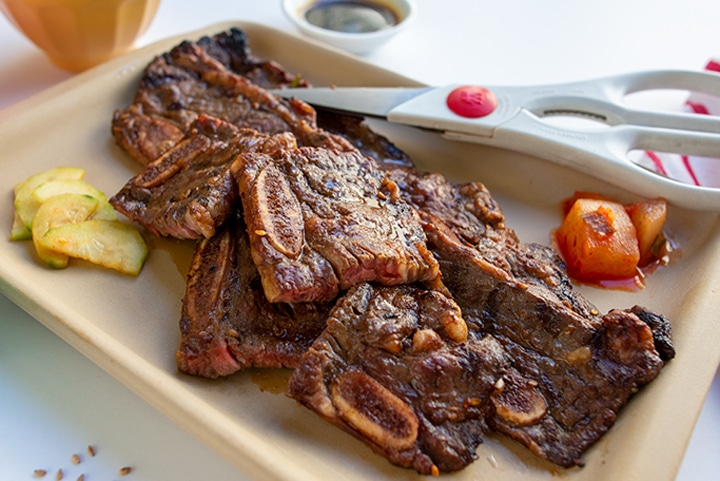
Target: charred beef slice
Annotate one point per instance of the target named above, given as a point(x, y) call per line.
point(144, 137)
point(395, 369)
point(219, 76)
point(188, 80)
point(227, 324)
point(572, 369)
point(321, 221)
point(189, 191)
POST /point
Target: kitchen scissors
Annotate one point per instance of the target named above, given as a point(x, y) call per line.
point(512, 118)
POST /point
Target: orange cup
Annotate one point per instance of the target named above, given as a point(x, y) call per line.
point(78, 34)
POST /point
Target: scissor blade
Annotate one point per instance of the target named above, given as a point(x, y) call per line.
point(371, 101)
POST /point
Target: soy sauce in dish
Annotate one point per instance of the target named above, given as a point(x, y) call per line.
point(351, 16)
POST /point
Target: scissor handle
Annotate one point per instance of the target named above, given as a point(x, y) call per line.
point(603, 154)
point(603, 98)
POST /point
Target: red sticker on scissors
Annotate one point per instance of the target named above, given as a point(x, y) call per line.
point(471, 101)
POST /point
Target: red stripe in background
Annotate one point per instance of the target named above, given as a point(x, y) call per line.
point(688, 167)
point(658, 163)
point(713, 65)
point(697, 108)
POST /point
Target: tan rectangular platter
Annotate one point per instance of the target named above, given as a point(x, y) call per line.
point(129, 326)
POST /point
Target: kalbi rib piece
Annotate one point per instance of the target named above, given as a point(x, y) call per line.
point(321, 221)
point(227, 324)
point(144, 137)
point(582, 389)
point(468, 214)
point(394, 368)
point(232, 49)
point(571, 369)
point(189, 191)
point(263, 111)
point(187, 81)
point(469, 211)
point(220, 77)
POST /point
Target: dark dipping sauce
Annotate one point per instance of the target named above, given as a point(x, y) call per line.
point(351, 16)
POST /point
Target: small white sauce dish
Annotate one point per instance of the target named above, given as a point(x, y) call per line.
point(359, 43)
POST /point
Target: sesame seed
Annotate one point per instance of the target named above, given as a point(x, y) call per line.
point(124, 471)
point(91, 450)
point(39, 473)
point(81, 477)
point(59, 475)
point(75, 459)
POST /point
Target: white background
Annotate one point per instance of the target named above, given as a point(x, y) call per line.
point(54, 402)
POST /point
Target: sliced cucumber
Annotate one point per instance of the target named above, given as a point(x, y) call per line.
point(65, 186)
point(108, 243)
point(104, 211)
point(59, 210)
point(19, 231)
point(23, 190)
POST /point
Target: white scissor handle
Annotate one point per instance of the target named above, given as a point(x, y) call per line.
point(603, 154)
point(517, 124)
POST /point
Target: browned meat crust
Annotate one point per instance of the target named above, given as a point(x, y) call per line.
point(227, 324)
point(189, 191)
point(573, 368)
point(393, 369)
point(218, 76)
point(143, 136)
point(321, 221)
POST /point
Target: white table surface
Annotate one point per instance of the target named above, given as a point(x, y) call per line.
point(54, 402)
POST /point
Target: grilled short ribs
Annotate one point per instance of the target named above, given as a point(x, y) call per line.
point(227, 324)
point(321, 221)
point(220, 77)
point(213, 77)
point(189, 191)
point(444, 324)
point(394, 368)
point(573, 368)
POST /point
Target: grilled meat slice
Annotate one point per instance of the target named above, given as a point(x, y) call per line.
point(321, 221)
point(144, 137)
point(367, 141)
point(187, 81)
point(227, 324)
point(232, 49)
point(470, 215)
point(572, 368)
point(469, 211)
point(579, 389)
point(394, 368)
point(189, 191)
point(220, 77)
